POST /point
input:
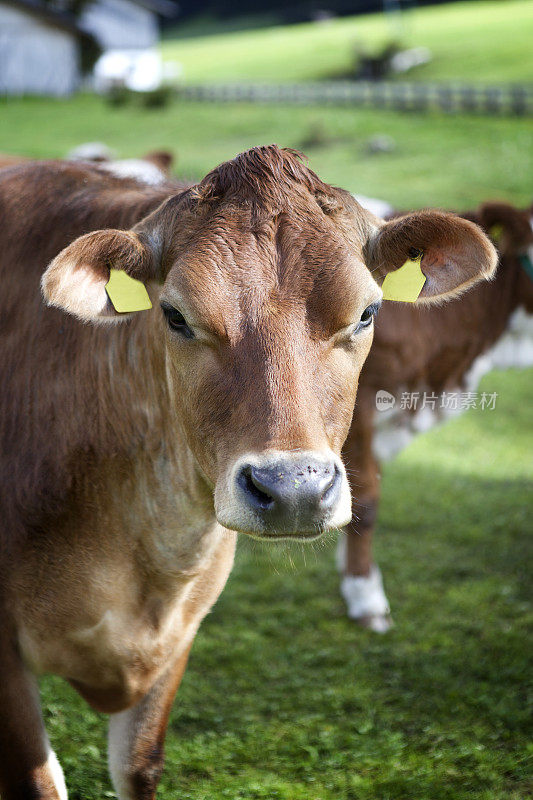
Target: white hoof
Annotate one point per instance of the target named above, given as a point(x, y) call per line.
point(378, 623)
point(366, 601)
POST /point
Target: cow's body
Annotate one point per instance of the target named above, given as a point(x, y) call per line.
point(109, 597)
point(127, 444)
point(434, 352)
point(153, 169)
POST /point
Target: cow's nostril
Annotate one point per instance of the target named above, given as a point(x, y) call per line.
point(254, 488)
point(331, 488)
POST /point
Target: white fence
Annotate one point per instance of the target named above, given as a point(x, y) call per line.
point(505, 99)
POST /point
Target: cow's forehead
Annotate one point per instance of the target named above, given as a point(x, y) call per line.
point(297, 258)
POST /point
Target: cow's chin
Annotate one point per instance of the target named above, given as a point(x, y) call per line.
point(258, 530)
point(283, 536)
point(282, 497)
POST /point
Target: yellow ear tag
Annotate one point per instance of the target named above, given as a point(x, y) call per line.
point(126, 294)
point(406, 283)
point(496, 232)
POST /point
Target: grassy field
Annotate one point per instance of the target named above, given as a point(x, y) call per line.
point(479, 40)
point(437, 160)
point(284, 698)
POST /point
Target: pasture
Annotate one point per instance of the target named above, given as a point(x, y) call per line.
point(447, 161)
point(284, 698)
point(481, 40)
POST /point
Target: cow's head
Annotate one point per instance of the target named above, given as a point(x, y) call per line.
point(265, 283)
point(512, 231)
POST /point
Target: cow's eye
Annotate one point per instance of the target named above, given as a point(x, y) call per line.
point(367, 316)
point(176, 321)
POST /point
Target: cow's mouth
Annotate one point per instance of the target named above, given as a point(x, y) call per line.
point(286, 537)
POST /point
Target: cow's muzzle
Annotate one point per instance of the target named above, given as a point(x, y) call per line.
point(286, 495)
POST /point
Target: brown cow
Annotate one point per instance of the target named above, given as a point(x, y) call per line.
point(154, 168)
point(415, 350)
point(8, 160)
point(134, 444)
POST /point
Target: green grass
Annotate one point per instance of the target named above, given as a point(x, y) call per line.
point(474, 41)
point(438, 160)
point(284, 698)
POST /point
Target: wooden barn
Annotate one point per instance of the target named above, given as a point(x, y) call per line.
point(40, 50)
point(46, 51)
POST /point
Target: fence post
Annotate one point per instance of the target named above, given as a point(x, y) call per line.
point(518, 97)
point(492, 100)
point(444, 98)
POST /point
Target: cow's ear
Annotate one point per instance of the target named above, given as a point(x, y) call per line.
point(429, 256)
point(100, 276)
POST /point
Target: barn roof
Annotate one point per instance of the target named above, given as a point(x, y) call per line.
point(67, 21)
point(53, 17)
point(165, 8)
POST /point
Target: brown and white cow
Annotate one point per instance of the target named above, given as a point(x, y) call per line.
point(134, 445)
point(154, 168)
point(442, 350)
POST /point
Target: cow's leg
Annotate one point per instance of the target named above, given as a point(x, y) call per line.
point(361, 583)
point(137, 736)
point(29, 769)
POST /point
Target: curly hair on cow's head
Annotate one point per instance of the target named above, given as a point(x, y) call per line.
point(265, 178)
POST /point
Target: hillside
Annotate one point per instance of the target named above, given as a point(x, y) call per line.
point(477, 41)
